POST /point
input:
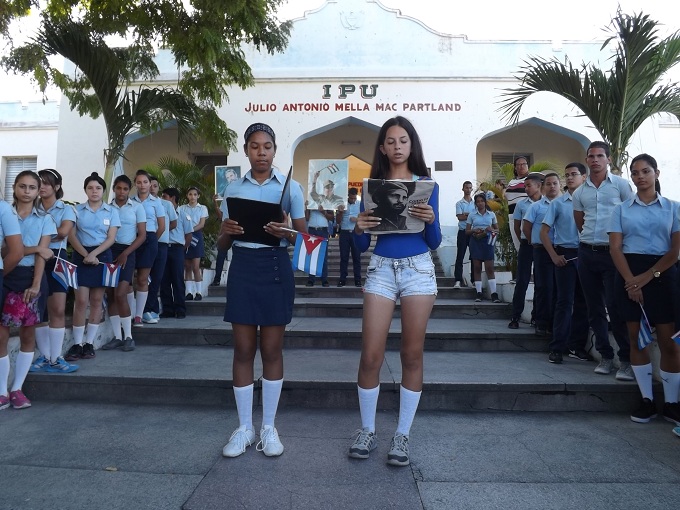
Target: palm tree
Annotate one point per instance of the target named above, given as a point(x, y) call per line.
point(618, 100)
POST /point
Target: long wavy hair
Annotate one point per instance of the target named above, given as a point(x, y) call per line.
point(416, 161)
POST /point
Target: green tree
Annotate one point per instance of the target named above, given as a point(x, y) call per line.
point(206, 38)
point(616, 100)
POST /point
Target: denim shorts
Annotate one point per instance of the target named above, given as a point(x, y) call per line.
point(394, 278)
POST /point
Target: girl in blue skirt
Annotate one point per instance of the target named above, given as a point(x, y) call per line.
point(481, 224)
point(195, 214)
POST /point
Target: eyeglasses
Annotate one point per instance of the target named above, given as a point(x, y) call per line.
point(573, 174)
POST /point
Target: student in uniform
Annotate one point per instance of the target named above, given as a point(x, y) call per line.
point(130, 236)
point(401, 268)
point(50, 340)
point(644, 241)
point(24, 290)
point(172, 284)
point(479, 225)
point(97, 224)
point(464, 207)
point(260, 291)
point(196, 214)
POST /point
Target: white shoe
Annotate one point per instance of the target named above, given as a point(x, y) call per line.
point(269, 443)
point(240, 439)
point(456, 285)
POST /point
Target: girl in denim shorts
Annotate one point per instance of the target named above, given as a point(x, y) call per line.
point(400, 268)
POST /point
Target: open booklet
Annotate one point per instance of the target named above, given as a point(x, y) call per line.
point(391, 199)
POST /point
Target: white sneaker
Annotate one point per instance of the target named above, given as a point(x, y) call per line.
point(604, 367)
point(456, 285)
point(269, 443)
point(240, 439)
point(625, 373)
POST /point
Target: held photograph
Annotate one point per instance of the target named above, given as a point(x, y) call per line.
point(327, 185)
point(390, 201)
point(225, 175)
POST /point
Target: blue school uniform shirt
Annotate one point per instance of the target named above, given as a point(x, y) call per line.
point(9, 224)
point(535, 214)
point(184, 226)
point(153, 209)
point(598, 204)
point(646, 228)
point(92, 227)
point(33, 227)
point(478, 220)
point(520, 211)
point(60, 212)
point(317, 219)
point(170, 215)
point(351, 211)
point(194, 214)
point(560, 217)
point(269, 191)
point(462, 207)
point(130, 214)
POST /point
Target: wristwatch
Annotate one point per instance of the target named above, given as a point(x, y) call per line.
point(655, 272)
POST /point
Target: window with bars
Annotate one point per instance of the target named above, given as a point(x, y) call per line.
point(13, 167)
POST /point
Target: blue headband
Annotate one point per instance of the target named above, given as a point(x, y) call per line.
point(253, 128)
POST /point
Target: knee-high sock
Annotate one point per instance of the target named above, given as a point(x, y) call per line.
point(478, 286)
point(91, 333)
point(408, 403)
point(4, 374)
point(643, 376)
point(21, 366)
point(271, 391)
point(368, 402)
point(244, 405)
point(131, 301)
point(141, 302)
point(492, 285)
point(78, 333)
point(42, 341)
point(126, 322)
point(115, 324)
point(671, 385)
point(56, 343)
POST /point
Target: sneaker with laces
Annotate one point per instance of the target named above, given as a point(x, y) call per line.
point(114, 343)
point(39, 365)
point(88, 351)
point(61, 366)
point(341, 283)
point(604, 367)
point(671, 412)
point(625, 372)
point(19, 400)
point(240, 439)
point(128, 345)
point(495, 298)
point(137, 322)
point(398, 454)
point(4, 402)
point(514, 324)
point(478, 299)
point(555, 357)
point(456, 285)
point(644, 413)
point(147, 318)
point(269, 443)
point(579, 354)
point(365, 442)
point(74, 353)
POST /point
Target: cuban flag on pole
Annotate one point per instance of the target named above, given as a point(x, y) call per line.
point(65, 273)
point(676, 336)
point(645, 335)
point(309, 254)
point(491, 238)
point(110, 275)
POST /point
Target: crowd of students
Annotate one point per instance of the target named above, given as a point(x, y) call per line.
point(156, 244)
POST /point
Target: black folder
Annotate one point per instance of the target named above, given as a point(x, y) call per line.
point(252, 216)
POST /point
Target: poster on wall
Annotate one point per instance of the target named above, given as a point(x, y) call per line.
point(224, 176)
point(391, 200)
point(327, 185)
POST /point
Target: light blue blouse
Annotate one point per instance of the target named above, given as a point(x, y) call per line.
point(9, 224)
point(154, 209)
point(130, 215)
point(520, 211)
point(535, 214)
point(170, 215)
point(93, 226)
point(477, 220)
point(560, 217)
point(33, 227)
point(60, 212)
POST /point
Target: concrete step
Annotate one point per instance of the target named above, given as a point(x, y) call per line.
point(327, 379)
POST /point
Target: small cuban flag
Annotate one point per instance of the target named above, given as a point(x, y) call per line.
point(110, 275)
point(645, 335)
point(65, 273)
point(676, 336)
point(491, 238)
point(309, 254)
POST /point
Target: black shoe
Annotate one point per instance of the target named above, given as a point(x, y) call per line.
point(325, 284)
point(645, 412)
point(74, 353)
point(514, 324)
point(341, 284)
point(357, 283)
point(198, 297)
point(309, 284)
point(189, 297)
point(88, 351)
point(555, 357)
point(533, 323)
point(181, 315)
point(167, 315)
point(216, 283)
point(129, 345)
point(671, 412)
point(494, 298)
point(114, 343)
point(579, 354)
point(478, 299)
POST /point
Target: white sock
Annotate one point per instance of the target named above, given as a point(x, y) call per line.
point(271, 391)
point(78, 333)
point(126, 322)
point(188, 284)
point(671, 385)
point(197, 287)
point(408, 403)
point(492, 285)
point(56, 343)
point(478, 286)
point(244, 406)
point(4, 374)
point(115, 324)
point(368, 402)
point(141, 302)
point(131, 301)
point(21, 366)
point(42, 341)
point(91, 333)
point(643, 376)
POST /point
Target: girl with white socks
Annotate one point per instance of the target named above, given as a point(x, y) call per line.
point(24, 289)
point(195, 214)
point(400, 268)
point(482, 223)
point(96, 226)
point(49, 337)
point(260, 289)
point(644, 241)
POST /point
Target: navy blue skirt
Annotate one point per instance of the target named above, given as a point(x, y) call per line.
point(88, 275)
point(480, 249)
point(260, 287)
point(145, 255)
point(54, 287)
point(196, 248)
point(127, 272)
